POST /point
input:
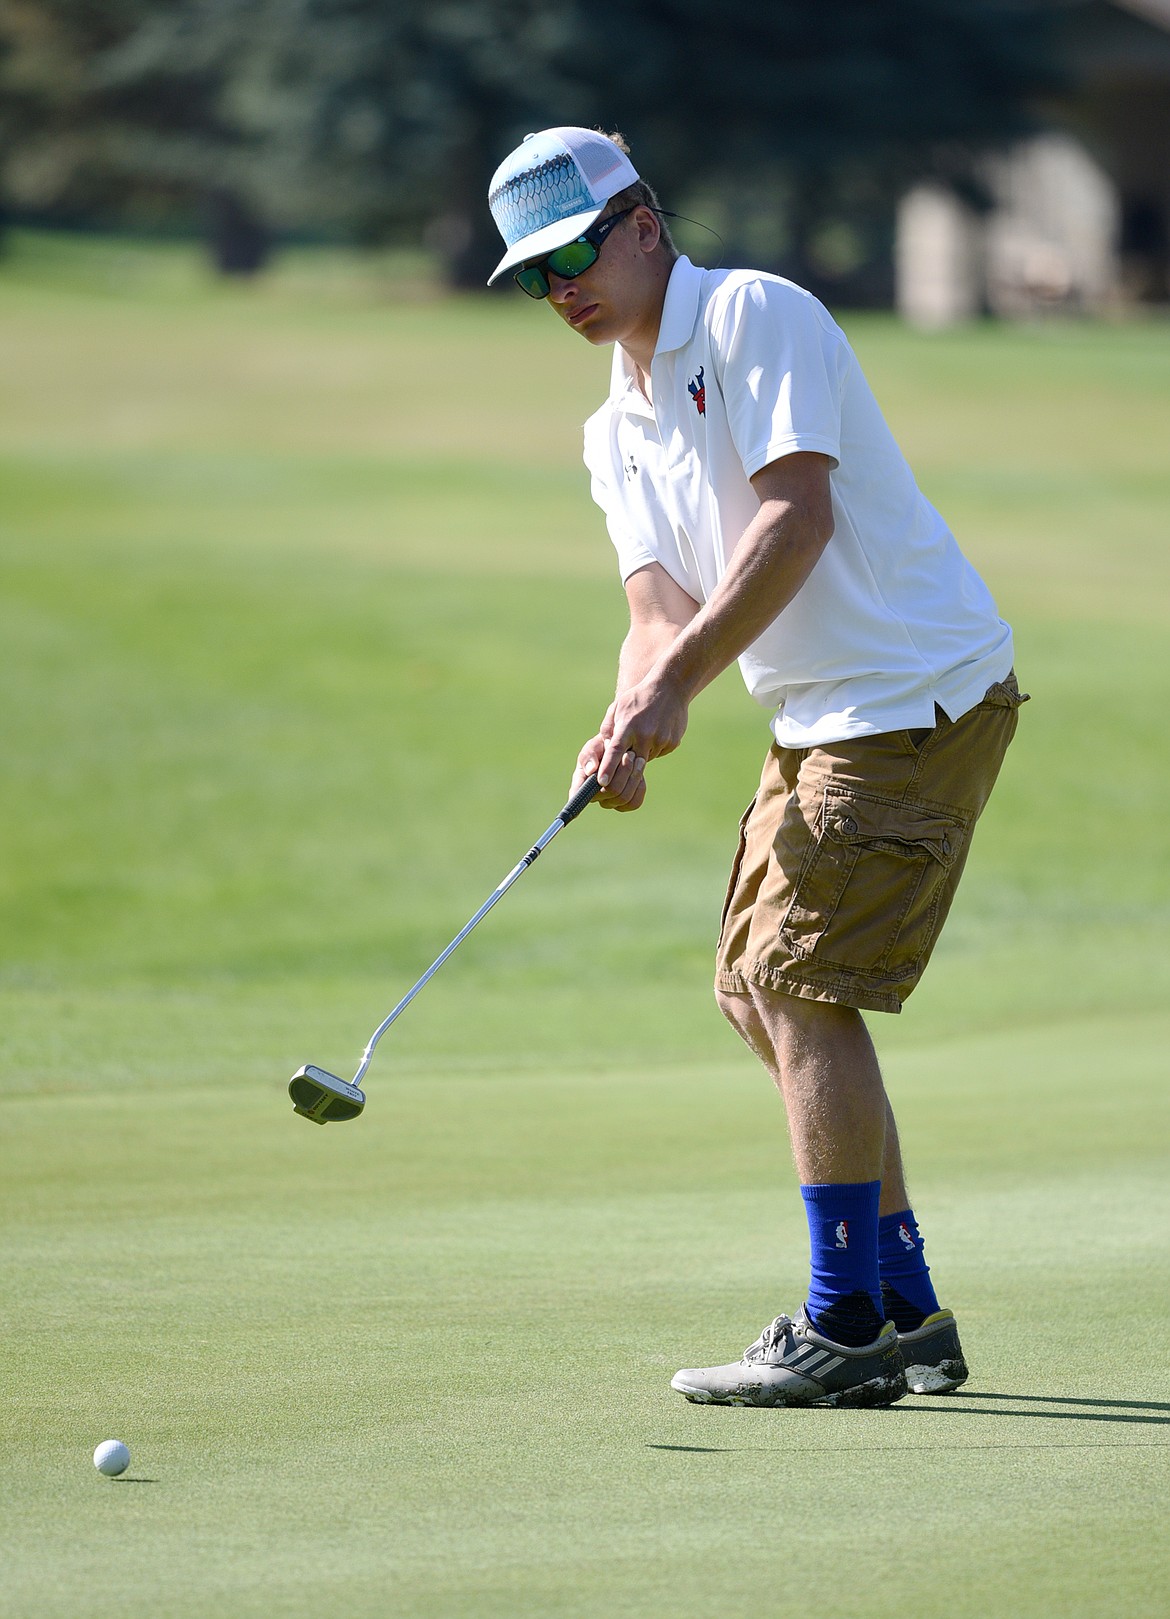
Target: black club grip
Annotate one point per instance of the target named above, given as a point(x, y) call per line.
point(585, 794)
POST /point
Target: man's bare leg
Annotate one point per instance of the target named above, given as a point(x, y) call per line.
point(822, 1061)
point(838, 1348)
point(895, 1197)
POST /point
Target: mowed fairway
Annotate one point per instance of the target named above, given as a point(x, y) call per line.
point(305, 612)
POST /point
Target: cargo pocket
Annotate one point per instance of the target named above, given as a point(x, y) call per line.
point(868, 899)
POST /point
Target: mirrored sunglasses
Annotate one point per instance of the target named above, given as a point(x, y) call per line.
point(569, 261)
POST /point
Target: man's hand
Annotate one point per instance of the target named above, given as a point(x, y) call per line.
point(675, 647)
point(627, 787)
point(649, 715)
point(643, 723)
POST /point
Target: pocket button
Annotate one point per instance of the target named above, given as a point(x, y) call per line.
point(848, 825)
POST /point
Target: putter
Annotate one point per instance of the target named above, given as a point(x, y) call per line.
point(321, 1096)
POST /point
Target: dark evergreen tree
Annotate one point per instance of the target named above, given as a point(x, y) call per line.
point(797, 120)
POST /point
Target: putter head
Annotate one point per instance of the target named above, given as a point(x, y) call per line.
point(323, 1097)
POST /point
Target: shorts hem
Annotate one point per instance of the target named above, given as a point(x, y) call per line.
point(840, 992)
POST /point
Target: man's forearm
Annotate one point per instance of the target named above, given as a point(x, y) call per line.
point(676, 647)
point(641, 650)
point(771, 563)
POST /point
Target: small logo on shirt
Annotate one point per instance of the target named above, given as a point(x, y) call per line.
point(630, 468)
point(698, 392)
point(842, 1233)
point(904, 1233)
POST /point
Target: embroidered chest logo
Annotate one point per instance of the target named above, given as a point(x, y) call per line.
point(698, 393)
point(630, 467)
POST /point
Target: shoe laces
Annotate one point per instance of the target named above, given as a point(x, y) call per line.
point(765, 1345)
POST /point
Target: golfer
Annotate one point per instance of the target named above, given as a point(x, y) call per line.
point(761, 511)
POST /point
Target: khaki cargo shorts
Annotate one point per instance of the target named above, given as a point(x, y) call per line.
point(849, 857)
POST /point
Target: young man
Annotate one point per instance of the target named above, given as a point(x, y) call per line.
point(761, 511)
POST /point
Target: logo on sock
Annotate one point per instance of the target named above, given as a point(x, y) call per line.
point(907, 1239)
point(842, 1233)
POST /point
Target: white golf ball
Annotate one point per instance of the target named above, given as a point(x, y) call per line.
point(111, 1457)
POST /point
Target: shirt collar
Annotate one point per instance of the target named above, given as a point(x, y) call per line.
point(681, 307)
point(680, 310)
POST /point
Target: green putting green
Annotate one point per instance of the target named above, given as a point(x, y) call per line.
point(305, 613)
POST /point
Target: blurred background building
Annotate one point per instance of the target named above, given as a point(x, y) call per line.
point(1002, 156)
point(1076, 217)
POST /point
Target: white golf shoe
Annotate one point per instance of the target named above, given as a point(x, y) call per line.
point(791, 1363)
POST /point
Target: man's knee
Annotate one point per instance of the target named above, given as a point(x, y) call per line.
point(778, 1010)
point(757, 1007)
point(738, 1009)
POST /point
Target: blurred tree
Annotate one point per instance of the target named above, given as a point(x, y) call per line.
point(358, 115)
point(97, 125)
point(397, 115)
point(384, 117)
point(817, 111)
point(45, 124)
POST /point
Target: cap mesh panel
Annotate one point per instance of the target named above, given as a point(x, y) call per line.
point(598, 158)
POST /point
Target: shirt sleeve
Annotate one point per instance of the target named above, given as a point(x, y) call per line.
point(778, 360)
point(632, 552)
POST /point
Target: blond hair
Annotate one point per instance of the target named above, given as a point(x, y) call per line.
point(639, 195)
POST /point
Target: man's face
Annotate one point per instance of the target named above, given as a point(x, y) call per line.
point(618, 295)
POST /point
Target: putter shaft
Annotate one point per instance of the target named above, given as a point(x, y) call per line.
point(584, 795)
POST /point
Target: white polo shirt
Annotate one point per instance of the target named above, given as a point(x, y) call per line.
point(748, 368)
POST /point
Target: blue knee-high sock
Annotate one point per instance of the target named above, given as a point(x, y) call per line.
point(844, 1296)
point(907, 1290)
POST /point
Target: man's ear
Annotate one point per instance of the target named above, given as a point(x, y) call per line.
point(649, 229)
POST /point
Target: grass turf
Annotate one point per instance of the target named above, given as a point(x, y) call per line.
point(305, 613)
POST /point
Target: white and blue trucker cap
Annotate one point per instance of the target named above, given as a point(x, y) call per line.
point(551, 188)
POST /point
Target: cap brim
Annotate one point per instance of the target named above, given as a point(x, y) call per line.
point(545, 241)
